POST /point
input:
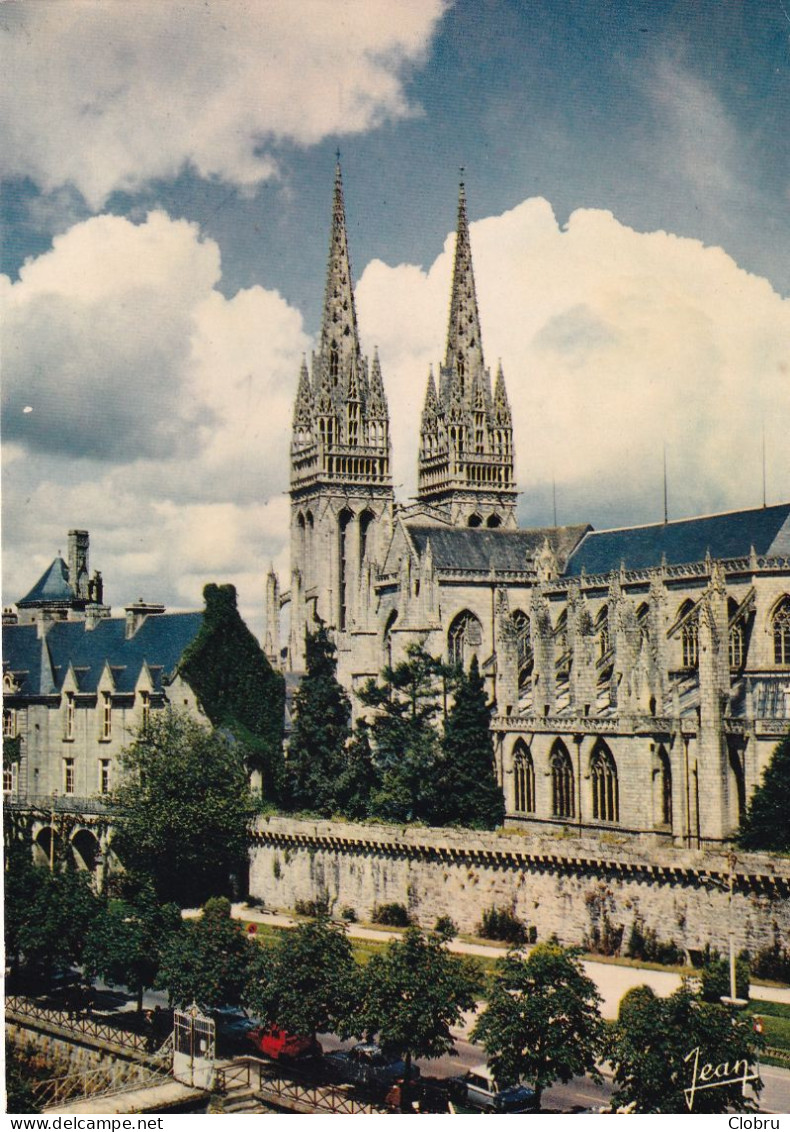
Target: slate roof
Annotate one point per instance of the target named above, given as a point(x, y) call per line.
point(40, 665)
point(53, 585)
point(731, 535)
point(480, 549)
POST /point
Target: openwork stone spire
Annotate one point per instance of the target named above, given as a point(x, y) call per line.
point(339, 337)
point(466, 439)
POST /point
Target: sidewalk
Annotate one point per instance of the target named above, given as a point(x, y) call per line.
point(612, 979)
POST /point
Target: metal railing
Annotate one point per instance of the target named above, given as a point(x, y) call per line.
point(58, 803)
point(74, 1024)
point(292, 1090)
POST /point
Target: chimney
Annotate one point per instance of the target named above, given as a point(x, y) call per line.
point(79, 545)
point(137, 613)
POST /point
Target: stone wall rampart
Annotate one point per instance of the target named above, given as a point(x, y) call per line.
point(564, 886)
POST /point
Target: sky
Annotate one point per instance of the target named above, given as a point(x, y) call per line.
point(167, 172)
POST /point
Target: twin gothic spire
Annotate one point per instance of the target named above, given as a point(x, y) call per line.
point(341, 418)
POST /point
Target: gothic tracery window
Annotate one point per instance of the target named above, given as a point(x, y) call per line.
point(781, 631)
point(524, 647)
point(605, 794)
point(563, 799)
point(464, 638)
point(523, 779)
point(665, 787)
point(689, 636)
point(737, 637)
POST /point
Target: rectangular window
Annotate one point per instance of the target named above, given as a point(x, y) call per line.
point(146, 701)
point(9, 779)
point(68, 776)
point(104, 776)
point(68, 728)
point(106, 727)
point(9, 723)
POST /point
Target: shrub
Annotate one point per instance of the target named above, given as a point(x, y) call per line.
point(643, 943)
point(348, 914)
point(446, 927)
point(392, 915)
point(313, 908)
point(502, 924)
point(772, 963)
point(715, 980)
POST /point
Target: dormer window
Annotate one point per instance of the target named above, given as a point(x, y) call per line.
point(145, 699)
point(106, 720)
point(68, 723)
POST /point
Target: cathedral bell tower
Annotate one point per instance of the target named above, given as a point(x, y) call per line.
point(466, 436)
point(341, 485)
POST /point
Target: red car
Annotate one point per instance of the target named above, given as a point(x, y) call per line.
point(280, 1045)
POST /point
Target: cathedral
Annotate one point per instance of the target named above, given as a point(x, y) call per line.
point(639, 678)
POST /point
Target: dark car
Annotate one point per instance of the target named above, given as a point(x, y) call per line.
point(366, 1064)
point(478, 1089)
point(233, 1024)
point(282, 1046)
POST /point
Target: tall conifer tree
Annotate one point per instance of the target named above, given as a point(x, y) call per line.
point(317, 751)
point(765, 825)
point(469, 792)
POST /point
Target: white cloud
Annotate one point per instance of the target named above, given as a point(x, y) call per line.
point(613, 343)
point(160, 413)
point(108, 96)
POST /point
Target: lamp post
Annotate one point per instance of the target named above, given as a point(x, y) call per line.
point(733, 1000)
point(52, 833)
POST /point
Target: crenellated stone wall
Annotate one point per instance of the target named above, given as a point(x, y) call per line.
point(566, 886)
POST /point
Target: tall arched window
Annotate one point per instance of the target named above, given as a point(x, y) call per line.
point(643, 620)
point(523, 779)
point(563, 794)
point(689, 636)
point(464, 638)
point(603, 772)
point(737, 644)
point(365, 519)
point(781, 629)
point(526, 659)
point(344, 519)
point(664, 788)
point(388, 627)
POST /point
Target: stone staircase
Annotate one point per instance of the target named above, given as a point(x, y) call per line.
point(240, 1097)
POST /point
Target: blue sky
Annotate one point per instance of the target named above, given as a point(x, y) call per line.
point(165, 224)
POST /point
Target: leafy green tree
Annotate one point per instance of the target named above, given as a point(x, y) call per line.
point(183, 809)
point(765, 824)
point(405, 739)
point(359, 778)
point(543, 1021)
point(208, 961)
point(715, 979)
point(48, 916)
point(305, 982)
point(469, 793)
point(125, 942)
point(413, 993)
point(237, 687)
point(659, 1046)
point(317, 750)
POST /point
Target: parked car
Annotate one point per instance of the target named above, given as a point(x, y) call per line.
point(366, 1064)
point(232, 1026)
point(478, 1089)
point(280, 1045)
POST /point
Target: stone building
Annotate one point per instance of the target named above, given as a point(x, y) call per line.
point(640, 678)
point(78, 684)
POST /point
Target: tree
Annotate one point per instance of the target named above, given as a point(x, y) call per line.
point(659, 1046)
point(404, 736)
point(183, 810)
point(48, 915)
point(765, 824)
point(359, 778)
point(208, 961)
point(305, 982)
point(542, 1022)
point(317, 750)
point(237, 687)
point(18, 1088)
point(413, 993)
point(125, 942)
point(468, 790)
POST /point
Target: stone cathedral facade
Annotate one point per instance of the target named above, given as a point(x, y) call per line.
point(639, 678)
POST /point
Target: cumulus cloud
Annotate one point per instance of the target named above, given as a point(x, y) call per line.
point(614, 343)
point(158, 412)
point(136, 90)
